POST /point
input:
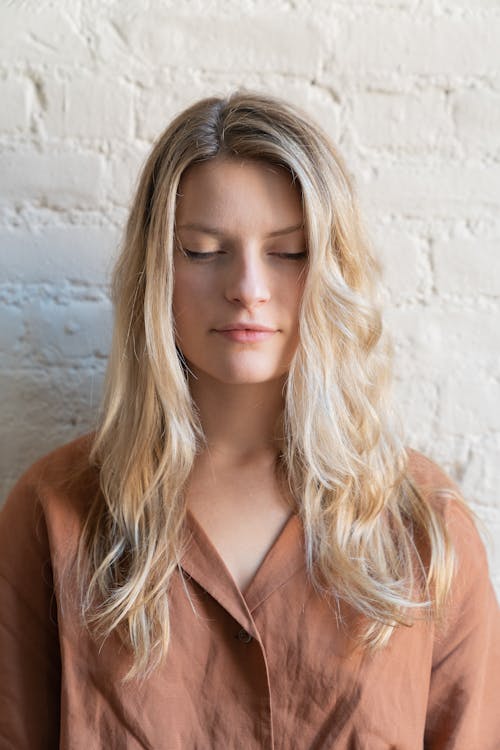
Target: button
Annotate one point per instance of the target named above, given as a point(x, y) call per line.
point(244, 636)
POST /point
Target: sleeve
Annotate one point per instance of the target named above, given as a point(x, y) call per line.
point(30, 665)
point(463, 708)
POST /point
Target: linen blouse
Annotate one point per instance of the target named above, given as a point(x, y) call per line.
point(270, 670)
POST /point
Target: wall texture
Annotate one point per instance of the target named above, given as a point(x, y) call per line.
point(409, 90)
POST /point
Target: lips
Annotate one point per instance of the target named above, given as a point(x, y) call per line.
point(246, 333)
point(246, 327)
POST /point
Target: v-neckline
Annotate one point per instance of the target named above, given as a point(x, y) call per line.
point(206, 565)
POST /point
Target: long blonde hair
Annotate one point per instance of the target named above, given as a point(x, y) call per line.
point(344, 461)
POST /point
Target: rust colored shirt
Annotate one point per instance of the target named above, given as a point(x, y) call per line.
point(271, 670)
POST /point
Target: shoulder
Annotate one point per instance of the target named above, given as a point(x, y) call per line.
point(445, 497)
point(472, 594)
point(427, 475)
point(52, 494)
point(466, 636)
point(67, 465)
point(39, 530)
point(58, 466)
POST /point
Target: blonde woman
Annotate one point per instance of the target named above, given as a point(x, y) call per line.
point(244, 555)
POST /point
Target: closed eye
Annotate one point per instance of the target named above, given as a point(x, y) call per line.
point(197, 255)
point(292, 256)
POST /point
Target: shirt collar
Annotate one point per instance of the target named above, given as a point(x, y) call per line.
point(203, 563)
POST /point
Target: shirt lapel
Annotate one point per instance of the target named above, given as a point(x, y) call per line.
point(284, 558)
point(203, 562)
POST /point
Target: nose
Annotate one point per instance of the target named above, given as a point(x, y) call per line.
point(247, 281)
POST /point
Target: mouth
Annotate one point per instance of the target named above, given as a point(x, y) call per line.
point(247, 335)
point(246, 327)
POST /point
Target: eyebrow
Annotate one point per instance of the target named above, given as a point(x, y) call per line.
point(219, 232)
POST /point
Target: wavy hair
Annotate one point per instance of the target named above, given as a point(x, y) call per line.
point(343, 459)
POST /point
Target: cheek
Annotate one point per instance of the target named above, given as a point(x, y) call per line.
point(190, 303)
point(189, 283)
point(290, 296)
point(188, 292)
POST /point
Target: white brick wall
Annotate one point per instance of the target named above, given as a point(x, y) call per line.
point(409, 90)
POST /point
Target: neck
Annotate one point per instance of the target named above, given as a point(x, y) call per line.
point(241, 422)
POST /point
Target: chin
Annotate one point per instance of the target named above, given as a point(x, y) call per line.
point(244, 376)
point(245, 379)
point(238, 371)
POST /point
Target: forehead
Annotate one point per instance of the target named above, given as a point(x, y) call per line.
point(235, 192)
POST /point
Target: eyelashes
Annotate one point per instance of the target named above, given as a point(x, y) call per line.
point(293, 256)
point(195, 255)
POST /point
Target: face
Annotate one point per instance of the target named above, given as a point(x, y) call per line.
point(241, 261)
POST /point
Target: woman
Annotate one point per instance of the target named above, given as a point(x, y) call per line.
point(244, 555)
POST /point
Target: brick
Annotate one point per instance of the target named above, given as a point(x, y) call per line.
point(154, 110)
point(55, 254)
point(392, 4)
point(125, 165)
point(11, 332)
point(416, 401)
point(490, 538)
point(476, 114)
point(247, 42)
point(470, 405)
point(400, 256)
point(434, 189)
point(439, 342)
point(468, 266)
point(478, 4)
point(413, 121)
point(60, 179)
point(403, 43)
point(315, 100)
point(89, 107)
point(488, 524)
point(481, 472)
point(18, 93)
point(60, 333)
point(41, 35)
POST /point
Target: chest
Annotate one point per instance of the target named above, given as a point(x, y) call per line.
point(242, 527)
